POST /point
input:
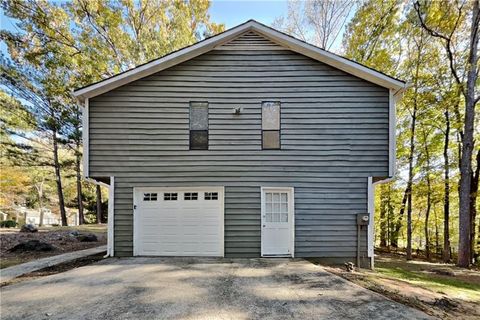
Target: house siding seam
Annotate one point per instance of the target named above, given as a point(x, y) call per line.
point(335, 134)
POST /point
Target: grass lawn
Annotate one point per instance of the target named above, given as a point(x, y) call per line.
point(462, 285)
point(59, 237)
point(441, 290)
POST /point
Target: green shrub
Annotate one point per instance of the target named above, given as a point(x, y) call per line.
point(8, 224)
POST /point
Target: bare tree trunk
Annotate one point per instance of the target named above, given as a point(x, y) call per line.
point(58, 179)
point(468, 89)
point(397, 225)
point(429, 198)
point(412, 151)
point(446, 202)
point(473, 205)
point(383, 223)
point(464, 244)
point(437, 237)
point(390, 212)
point(99, 204)
point(408, 191)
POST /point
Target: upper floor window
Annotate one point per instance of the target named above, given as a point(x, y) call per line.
point(270, 125)
point(198, 125)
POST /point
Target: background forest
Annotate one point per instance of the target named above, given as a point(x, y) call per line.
point(429, 208)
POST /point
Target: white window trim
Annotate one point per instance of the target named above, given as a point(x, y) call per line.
point(85, 138)
point(291, 211)
point(162, 189)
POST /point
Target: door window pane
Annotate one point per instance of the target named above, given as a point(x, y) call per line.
point(268, 197)
point(276, 207)
point(276, 197)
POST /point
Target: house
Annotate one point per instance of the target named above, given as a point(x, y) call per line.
point(33, 217)
point(50, 218)
point(249, 143)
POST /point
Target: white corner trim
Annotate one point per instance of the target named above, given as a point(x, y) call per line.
point(291, 208)
point(371, 211)
point(216, 41)
point(111, 217)
point(392, 134)
point(111, 204)
point(85, 139)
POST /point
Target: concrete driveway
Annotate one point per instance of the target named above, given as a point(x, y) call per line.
point(196, 288)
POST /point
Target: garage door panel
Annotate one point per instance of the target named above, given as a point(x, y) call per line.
point(178, 227)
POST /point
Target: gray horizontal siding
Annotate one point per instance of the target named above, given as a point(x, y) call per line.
point(334, 135)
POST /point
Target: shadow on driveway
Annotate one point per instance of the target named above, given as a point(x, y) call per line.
point(197, 288)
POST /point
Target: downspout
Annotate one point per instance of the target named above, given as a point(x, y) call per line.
point(111, 199)
point(394, 97)
point(86, 173)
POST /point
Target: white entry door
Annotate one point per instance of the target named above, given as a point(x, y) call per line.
point(178, 221)
point(277, 222)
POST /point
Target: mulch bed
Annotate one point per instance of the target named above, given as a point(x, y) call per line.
point(61, 240)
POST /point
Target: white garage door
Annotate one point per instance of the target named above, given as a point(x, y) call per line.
point(178, 222)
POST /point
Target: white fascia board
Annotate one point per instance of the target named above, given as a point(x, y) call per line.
point(163, 63)
point(85, 139)
point(209, 44)
point(331, 59)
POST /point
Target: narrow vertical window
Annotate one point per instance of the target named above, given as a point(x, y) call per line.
point(198, 125)
point(270, 125)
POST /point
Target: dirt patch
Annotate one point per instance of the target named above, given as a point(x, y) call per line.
point(61, 240)
point(62, 267)
point(441, 290)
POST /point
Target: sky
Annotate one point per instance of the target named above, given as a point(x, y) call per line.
point(229, 12)
point(233, 13)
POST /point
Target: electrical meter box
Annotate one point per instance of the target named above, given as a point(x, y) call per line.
point(363, 219)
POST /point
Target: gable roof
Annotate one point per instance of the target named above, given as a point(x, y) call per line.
point(209, 44)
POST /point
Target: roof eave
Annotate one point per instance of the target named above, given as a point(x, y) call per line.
point(331, 59)
point(161, 63)
point(206, 45)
